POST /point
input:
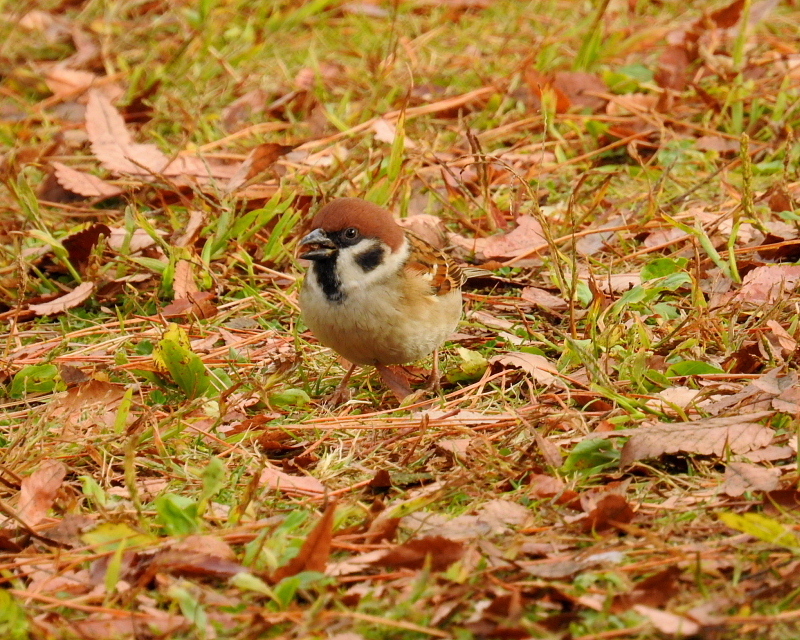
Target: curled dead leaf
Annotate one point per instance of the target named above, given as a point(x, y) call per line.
point(74, 298)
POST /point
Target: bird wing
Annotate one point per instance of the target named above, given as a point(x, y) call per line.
point(434, 266)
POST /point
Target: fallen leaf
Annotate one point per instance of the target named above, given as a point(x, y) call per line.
point(581, 89)
point(705, 437)
point(544, 299)
point(112, 143)
point(386, 131)
point(535, 365)
point(257, 162)
point(457, 447)
point(501, 514)
point(429, 228)
point(316, 550)
point(768, 284)
point(743, 476)
point(38, 491)
point(655, 591)
point(413, 554)
point(82, 183)
point(183, 281)
point(87, 402)
point(527, 236)
point(80, 245)
point(74, 298)
point(64, 82)
point(610, 509)
point(113, 146)
point(668, 623)
point(276, 479)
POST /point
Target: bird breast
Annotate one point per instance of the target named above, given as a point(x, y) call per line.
point(391, 320)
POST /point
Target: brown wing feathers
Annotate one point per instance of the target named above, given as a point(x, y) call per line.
point(443, 274)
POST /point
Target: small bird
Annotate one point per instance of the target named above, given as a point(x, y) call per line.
point(375, 293)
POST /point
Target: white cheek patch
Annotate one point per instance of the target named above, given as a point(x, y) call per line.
point(353, 276)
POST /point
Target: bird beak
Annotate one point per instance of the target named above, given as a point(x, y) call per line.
point(316, 246)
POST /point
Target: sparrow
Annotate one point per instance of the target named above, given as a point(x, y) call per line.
point(375, 293)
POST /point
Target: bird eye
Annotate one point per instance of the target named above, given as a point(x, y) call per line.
point(351, 233)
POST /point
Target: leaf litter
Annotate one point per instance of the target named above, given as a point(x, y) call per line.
point(601, 435)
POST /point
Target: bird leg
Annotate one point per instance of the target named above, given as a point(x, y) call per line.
point(432, 383)
point(396, 381)
point(341, 393)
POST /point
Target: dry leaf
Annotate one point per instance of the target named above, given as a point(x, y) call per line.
point(257, 162)
point(668, 623)
point(705, 437)
point(610, 509)
point(768, 284)
point(544, 299)
point(537, 366)
point(525, 238)
point(743, 476)
point(412, 555)
point(38, 491)
point(80, 245)
point(386, 131)
point(428, 227)
point(113, 146)
point(84, 184)
point(183, 282)
point(276, 479)
point(654, 591)
point(193, 227)
point(112, 143)
point(74, 298)
point(314, 554)
point(65, 82)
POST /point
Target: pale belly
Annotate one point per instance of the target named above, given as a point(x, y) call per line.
point(365, 330)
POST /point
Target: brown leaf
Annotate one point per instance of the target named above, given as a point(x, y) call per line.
point(113, 146)
point(183, 282)
point(84, 184)
point(194, 563)
point(668, 623)
point(768, 284)
point(412, 555)
point(743, 476)
point(112, 143)
point(610, 509)
point(65, 82)
point(579, 88)
point(193, 228)
point(527, 236)
point(781, 500)
point(198, 304)
point(257, 162)
point(74, 298)
point(705, 437)
point(314, 554)
point(655, 591)
point(535, 365)
point(38, 491)
point(673, 67)
point(79, 245)
point(544, 299)
point(88, 394)
point(276, 479)
point(428, 227)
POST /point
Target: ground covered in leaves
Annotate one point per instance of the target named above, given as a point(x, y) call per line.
point(614, 451)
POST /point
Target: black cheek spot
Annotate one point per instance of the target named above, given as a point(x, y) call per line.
point(370, 258)
point(325, 273)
